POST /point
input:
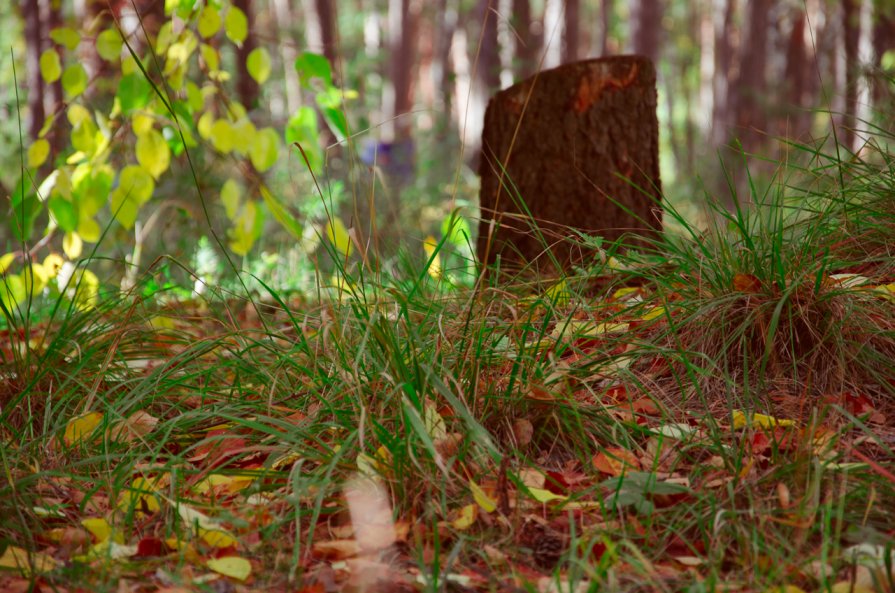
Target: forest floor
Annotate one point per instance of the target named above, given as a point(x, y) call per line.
point(715, 416)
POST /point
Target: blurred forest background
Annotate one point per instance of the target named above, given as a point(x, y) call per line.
point(394, 130)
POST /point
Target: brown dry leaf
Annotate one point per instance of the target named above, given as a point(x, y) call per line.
point(523, 430)
point(336, 549)
point(746, 283)
point(135, 426)
point(615, 461)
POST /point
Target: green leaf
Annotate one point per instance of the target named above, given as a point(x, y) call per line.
point(91, 186)
point(210, 56)
point(133, 92)
point(282, 214)
point(135, 187)
point(74, 80)
point(108, 45)
point(38, 153)
point(50, 65)
point(310, 65)
point(209, 21)
point(66, 36)
point(153, 153)
point(302, 129)
point(63, 212)
point(456, 229)
point(264, 150)
point(236, 25)
point(258, 64)
point(337, 122)
point(230, 196)
point(12, 291)
point(339, 237)
point(83, 136)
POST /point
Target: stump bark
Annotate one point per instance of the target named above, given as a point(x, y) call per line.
point(575, 147)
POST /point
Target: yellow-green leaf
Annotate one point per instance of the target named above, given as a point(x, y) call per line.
point(222, 136)
point(89, 230)
point(210, 56)
point(741, 420)
point(12, 290)
point(209, 21)
point(108, 45)
point(544, 495)
point(82, 427)
point(234, 567)
point(481, 498)
point(135, 187)
point(50, 65)
point(339, 237)
point(236, 25)
point(65, 36)
point(230, 196)
point(140, 498)
point(465, 517)
point(74, 80)
point(38, 153)
point(77, 114)
point(72, 245)
point(153, 153)
point(246, 228)
point(258, 64)
point(264, 149)
point(100, 529)
point(6, 260)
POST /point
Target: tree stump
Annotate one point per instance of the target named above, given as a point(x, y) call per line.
point(579, 146)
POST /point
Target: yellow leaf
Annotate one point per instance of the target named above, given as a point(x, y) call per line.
point(18, 559)
point(52, 264)
point(140, 498)
point(544, 495)
point(217, 538)
point(339, 237)
point(653, 313)
point(50, 65)
point(72, 245)
point(481, 498)
point(740, 420)
point(153, 153)
point(81, 427)
point(430, 245)
point(465, 517)
point(6, 260)
point(785, 589)
point(234, 567)
point(209, 21)
point(558, 293)
point(100, 529)
point(38, 153)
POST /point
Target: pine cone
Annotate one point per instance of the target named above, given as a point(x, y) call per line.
point(546, 544)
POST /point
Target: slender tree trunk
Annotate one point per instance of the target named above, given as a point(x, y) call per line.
point(797, 76)
point(607, 10)
point(402, 27)
point(751, 86)
point(284, 17)
point(442, 70)
point(725, 12)
point(246, 87)
point(527, 42)
point(647, 28)
point(883, 41)
point(35, 82)
point(571, 47)
point(851, 31)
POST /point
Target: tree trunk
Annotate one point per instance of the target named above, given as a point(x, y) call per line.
point(721, 78)
point(579, 146)
point(851, 31)
point(246, 87)
point(442, 71)
point(33, 36)
point(571, 47)
point(606, 13)
point(751, 86)
point(528, 44)
point(647, 24)
point(54, 102)
point(797, 77)
point(402, 25)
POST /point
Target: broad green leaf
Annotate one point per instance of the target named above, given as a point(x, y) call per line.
point(50, 65)
point(456, 229)
point(12, 291)
point(282, 214)
point(91, 186)
point(194, 98)
point(133, 92)
point(153, 153)
point(74, 80)
point(209, 21)
point(234, 567)
point(230, 196)
point(339, 237)
point(135, 187)
point(72, 245)
point(38, 153)
point(108, 45)
point(258, 64)
point(264, 150)
point(66, 36)
point(222, 136)
point(236, 25)
point(310, 65)
point(243, 135)
point(337, 122)
point(302, 129)
point(64, 212)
